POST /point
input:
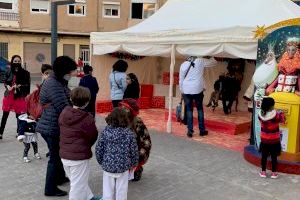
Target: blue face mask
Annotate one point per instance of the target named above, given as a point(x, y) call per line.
point(67, 77)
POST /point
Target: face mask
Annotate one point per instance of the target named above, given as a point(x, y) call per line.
point(16, 65)
point(67, 77)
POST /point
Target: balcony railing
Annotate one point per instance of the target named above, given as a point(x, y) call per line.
point(9, 16)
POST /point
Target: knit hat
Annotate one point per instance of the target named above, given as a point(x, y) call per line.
point(131, 104)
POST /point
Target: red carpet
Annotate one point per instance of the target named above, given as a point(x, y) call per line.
point(217, 125)
point(235, 123)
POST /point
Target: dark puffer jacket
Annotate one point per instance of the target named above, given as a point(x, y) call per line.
point(54, 97)
point(78, 133)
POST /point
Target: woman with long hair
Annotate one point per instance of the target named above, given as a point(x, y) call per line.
point(117, 80)
point(133, 87)
point(17, 87)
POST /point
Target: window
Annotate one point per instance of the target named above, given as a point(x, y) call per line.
point(3, 50)
point(142, 9)
point(111, 10)
point(6, 5)
point(85, 54)
point(148, 10)
point(39, 6)
point(77, 9)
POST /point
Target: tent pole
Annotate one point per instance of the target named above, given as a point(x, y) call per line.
point(169, 123)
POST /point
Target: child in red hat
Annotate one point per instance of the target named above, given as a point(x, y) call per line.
point(142, 135)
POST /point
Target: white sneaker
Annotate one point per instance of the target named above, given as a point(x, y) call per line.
point(263, 174)
point(37, 156)
point(20, 138)
point(26, 160)
point(274, 175)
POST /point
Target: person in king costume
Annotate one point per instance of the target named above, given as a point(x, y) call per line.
point(289, 68)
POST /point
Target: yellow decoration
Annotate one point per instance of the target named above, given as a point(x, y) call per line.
point(289, 22)
point(262, 31)
point(289, 103)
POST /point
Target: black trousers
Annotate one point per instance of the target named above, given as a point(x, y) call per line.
point(4, 120)
point(116, 103)
point(55, 171)
point(269, 149)
point(91, 107)
point(227, 104)
point(27, 147)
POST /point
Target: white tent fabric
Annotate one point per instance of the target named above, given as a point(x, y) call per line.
point(222, 28)
point(198, 27)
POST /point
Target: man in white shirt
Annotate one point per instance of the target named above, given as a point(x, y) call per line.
point(192, 85)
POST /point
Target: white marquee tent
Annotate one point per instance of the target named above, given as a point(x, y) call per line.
point(197, 27)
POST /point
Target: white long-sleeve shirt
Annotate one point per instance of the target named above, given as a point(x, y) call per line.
point(194, 83)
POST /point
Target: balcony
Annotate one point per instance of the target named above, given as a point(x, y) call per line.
point(9, 16)
point(9, 20)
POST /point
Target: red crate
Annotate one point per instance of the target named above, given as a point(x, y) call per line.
point(144, 102)
point(146, 90)
point(166, 78)
point(158, 102)
point(103, 106)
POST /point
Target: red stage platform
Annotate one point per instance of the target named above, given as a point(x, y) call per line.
point(253, 156)
point(155, 119)
point(235, 123)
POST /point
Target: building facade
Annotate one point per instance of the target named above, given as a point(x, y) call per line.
point(25, 26)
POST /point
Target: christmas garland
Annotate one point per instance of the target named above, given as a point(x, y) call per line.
point(125, 56)
point(228, 59)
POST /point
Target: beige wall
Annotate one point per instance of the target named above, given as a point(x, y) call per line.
point(114, 24)
point(29, 20)
point(145, 69)
point(150, 70)
point(16, 44)
point(93, 21)
point(66, 22)
point(80, 24)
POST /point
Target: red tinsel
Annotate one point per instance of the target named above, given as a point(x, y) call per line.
point(125, 56)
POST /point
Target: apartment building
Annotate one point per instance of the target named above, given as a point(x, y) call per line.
point(25, 26)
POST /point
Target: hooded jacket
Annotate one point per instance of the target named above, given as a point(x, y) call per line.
point(78, 133)
point(270, 126)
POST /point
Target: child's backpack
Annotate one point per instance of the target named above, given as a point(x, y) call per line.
point(34, 107)
point(181, 113)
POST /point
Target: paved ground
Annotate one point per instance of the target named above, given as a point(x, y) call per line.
point(178, 169)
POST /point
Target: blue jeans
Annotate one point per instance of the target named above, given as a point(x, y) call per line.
point(188, 100)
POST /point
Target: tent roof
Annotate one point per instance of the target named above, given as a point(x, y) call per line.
point(198, 27)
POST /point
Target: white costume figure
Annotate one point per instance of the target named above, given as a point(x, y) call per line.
point(267, 72)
